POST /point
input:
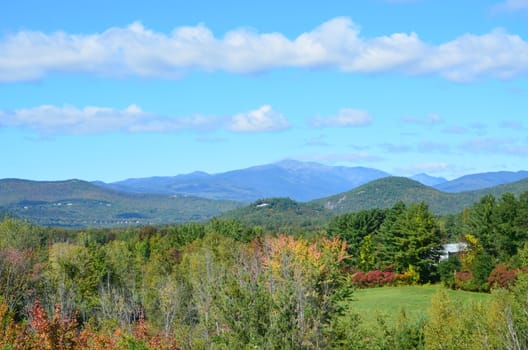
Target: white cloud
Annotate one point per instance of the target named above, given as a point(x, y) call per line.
point(346, 117)
point(497, 54)
point(48, 119)
point(258, 120)
point(335, 44)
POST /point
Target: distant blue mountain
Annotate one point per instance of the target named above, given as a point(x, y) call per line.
point(301, 181)
point(428, 180)
point(480, 181)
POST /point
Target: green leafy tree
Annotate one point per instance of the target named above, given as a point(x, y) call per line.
point(73, 276)
point(412, 240)
point(509, 231)
point(386, 240)
point(353, 228)
point(481, 223)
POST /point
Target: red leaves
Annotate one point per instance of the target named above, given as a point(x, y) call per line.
point(62, 333)
point(376, 278)
point(502, 276)
point(58, 333)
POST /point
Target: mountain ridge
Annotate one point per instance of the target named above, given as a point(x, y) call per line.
point(77, 203)
point(301, 181)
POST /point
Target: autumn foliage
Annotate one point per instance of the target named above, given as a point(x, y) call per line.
point(64, 333)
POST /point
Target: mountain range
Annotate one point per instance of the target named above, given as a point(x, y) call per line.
point(300, 181)
point(310, 192)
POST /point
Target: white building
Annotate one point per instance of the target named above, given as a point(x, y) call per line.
point(452, 248)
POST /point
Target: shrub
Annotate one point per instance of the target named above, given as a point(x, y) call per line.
point(464, 280)
point(374, 278)
point(502, 276)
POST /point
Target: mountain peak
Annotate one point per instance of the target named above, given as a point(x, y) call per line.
point(299, 180)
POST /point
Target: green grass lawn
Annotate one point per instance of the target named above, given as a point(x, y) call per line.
point(415, 300)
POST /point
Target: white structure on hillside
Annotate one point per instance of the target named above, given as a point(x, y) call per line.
point(452, 248)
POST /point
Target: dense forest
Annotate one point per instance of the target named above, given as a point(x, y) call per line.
point(229, 284)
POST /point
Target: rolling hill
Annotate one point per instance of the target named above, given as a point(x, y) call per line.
point(76, 203)
point(384, 193)
point(286, 215)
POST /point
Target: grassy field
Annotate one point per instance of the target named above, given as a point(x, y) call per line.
point(415, 300)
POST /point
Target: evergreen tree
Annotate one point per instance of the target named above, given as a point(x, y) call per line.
point(354, 227)
point(413, 240)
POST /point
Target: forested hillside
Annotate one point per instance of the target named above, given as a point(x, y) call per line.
point(76, 203)
point(384, 193)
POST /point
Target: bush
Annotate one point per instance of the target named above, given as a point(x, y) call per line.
point(464, 280)
point(502, 276)
point(376, 278)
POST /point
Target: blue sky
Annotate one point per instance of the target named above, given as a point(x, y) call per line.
point(108, 90)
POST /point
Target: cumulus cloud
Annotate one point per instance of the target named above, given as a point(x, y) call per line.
point(258, 120)
point(346, 117)
point(335, 44)
point(49, 119)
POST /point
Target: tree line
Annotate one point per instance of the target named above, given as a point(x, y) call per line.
point(223, 284)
